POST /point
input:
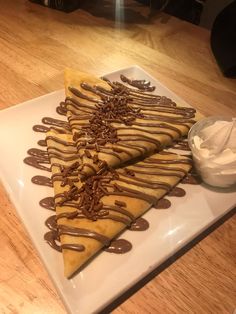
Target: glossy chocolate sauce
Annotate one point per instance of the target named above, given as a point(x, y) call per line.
point(106, 116)
point(40, 128)
point(139, 224)
point(163, 203)
point(42, 180)
point(48, 203)
point(42, 143)
point(177, 191)
point(140, 84)
point(126, 108)
point(119, 246)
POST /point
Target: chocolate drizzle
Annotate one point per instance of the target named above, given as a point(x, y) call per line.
point(42, 180)
point(106, 121)
point(101, 124)
point(139, 224)
point(177, 191)
point(119, 246)
point(140, 84)
point(48, 203)
point(163, 203)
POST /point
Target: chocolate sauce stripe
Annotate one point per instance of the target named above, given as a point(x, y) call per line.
point(119, 210)
point(78, 104)
point(76, 92)
point(135, 194)
point(164, 108)
point(123, 220)
point(80, 232)
point(51, 150)
point(70, 175)
point(36, 163)
point(73, 247)
point(159, 125)
point(140, 137)
point(79, 116)
point(56, 122)
point(142, 85)
point(36, 152)
point(64, 158)
point(151, 160)
point(111, 148)
point(44, 154)
point(42, 180)
point(145, 131)
point(151, 200)
point(169, 172)
point(73, 112)
point(139, 182)
point(61, 111)
point(57, 178)
point(158, 161)
point(149, 104)
point(126, 221)
point(172, 117)
point(167, 169)
point(42, 143)
point(138, 148)
point(48, 203)
point(146, 99)
point(40, 128)
point(59, 141)
point(44, 129)
point(168, 119)
point(111, 152)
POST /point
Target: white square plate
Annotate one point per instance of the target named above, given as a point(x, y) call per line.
point(108, 275)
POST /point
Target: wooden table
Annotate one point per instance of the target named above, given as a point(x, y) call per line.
point(36, 44)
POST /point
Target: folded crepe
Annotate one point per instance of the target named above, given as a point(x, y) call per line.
point(92, 212)
point(119, 123)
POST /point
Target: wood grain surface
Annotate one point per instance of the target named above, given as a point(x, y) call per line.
point(36, 44)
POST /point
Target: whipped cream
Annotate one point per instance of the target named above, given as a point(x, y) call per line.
point(214, 153)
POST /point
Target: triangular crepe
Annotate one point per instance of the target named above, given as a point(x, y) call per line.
point(99, 208)
point(120, 123)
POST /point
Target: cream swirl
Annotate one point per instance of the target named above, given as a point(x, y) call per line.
point(214, 152)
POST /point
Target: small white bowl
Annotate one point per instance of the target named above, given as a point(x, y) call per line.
point(211, 172)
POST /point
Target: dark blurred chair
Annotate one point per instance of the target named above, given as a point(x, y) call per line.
point(223, 40)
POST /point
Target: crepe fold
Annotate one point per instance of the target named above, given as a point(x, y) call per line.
point(119, 123)
point(107, 167)
point(92, 212)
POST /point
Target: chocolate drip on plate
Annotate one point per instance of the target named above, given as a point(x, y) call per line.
point(140, 224)
point(37, 162)
point(42, 180)
point(42, 143)
point(140, 84)
point(48, 203)
point(119, 246)
point(176, 191)
point(163, 203)
point(51, 237)
point(40, 128)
